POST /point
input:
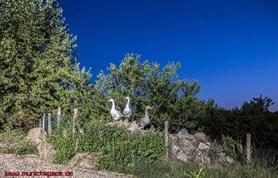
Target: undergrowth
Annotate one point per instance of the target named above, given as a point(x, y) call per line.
point(142, 154)
point(119, 150)
point(174, 169)
point(15, 142)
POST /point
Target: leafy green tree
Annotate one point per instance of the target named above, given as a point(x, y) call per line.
point(253, 117)
point(259, 121)
point(148, 84)
point(38, 66)
point(257, 105)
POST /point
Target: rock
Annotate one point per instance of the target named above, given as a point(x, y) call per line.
point(202, 159)
point(200, 137)
point(133, 127)
point(125, 123)
point(173, 138)
point(188, 148)
point(182, 157)
point(84, 160)
point(119, 123)
point(203, 147)
point(183, 131)
point(46, 151)
point(225, 160)
point(175, 149)
point(183, 134)
point(186, 145)
point(36, 136)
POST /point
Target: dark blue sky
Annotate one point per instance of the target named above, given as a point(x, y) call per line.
point(230, 47)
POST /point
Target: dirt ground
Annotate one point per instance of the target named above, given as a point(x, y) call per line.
point(31, 166)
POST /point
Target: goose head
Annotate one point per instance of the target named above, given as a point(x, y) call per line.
point(111, 100)
point(148, 108)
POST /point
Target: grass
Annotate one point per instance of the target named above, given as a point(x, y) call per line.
point(15, 142)
point(118, 149)
point(141, 155)
point(131, 154)
point(174, 169)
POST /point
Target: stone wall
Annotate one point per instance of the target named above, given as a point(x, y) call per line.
point(197, 149)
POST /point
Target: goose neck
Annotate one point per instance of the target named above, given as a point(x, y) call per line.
point(146, 113)
point(128, 102)
point(113, 105)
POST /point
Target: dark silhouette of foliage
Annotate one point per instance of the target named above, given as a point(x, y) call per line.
point(253, 117)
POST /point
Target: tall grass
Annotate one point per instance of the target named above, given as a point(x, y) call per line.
point(174, 169)
point(119, 150)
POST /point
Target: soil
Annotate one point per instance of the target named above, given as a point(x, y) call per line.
point(15, 164)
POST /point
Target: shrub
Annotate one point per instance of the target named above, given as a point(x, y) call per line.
point(63, 141)
point(119, 150)
point(149, 84)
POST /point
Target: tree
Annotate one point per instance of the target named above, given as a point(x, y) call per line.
point(253, 117)
point(147, 84)
point(39, 70)
point(257, 105)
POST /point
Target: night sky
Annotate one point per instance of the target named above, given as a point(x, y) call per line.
point(230, 47)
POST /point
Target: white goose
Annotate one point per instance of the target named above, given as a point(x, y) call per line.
point(127, 111)
point(145, 121)
point(116, 115)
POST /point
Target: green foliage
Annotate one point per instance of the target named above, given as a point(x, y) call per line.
point(213, 154)
point(173, 169)
point(118, 148)
point(25, 147)
point(39, 71)
point(253, 117)
point(64, 143)
point(149, 84)
point(38, 66)
point(232, 148)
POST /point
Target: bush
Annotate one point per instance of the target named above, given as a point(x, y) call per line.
point(119, 150)
point(149, 84)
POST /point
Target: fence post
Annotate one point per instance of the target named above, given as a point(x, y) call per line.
point(166, 130)
point(58, 117)
point(75, 114)
point(248, 149)
point(43, 122)
point(49, 123)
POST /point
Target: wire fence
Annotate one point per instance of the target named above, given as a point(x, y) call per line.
point(50, 122)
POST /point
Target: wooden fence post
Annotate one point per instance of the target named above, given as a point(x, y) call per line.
point(43, 122)
point(248, 149)
point(75, 114)
point(58, 117)
point(166, 130)
point(49, 123)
